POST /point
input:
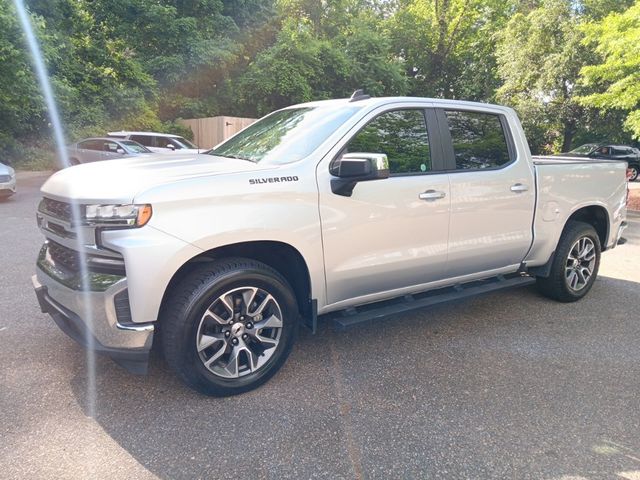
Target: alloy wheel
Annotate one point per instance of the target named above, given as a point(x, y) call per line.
point(581, 262)
point(239, 332)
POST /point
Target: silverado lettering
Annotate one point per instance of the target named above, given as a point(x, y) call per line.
point(255, 181)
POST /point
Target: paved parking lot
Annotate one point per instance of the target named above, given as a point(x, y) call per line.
point(508, 385)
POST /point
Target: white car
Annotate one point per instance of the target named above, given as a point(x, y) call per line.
point(98, 149)
point(7, 181)
point(159, 142)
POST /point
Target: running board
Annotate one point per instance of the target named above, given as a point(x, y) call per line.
point(374, 311)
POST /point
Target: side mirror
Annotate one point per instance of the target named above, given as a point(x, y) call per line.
point(171, 146)
point(120, 151)
point(352, 168)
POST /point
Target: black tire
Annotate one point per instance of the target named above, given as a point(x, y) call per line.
point(193, 296)
point(634, 173)
point(556, 285)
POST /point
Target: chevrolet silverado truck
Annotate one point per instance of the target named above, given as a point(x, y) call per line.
point(348, 209)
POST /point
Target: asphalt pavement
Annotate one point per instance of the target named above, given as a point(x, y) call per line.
point(506, 385)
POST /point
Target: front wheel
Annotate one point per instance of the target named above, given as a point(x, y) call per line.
point(575, 264)
point(229, 326)
point(633, 174)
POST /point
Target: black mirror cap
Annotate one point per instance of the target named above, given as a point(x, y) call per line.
point(354, 167)
point(358, 167)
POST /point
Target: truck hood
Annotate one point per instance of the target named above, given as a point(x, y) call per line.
point(120, 180)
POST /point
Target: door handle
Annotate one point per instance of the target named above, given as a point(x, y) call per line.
point(519, 188)
point(431, 195)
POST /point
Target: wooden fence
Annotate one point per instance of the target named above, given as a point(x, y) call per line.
point(208, 132)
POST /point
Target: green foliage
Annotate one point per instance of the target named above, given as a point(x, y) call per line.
point(569, 67)
point(540, 55)
point(20, 101)
point(448, 47)
point(616, 79)
point(305, 65)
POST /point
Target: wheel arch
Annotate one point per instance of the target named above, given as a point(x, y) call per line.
point(280, 256)
point(595, 215)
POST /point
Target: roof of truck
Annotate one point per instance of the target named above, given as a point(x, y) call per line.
point(366, 101)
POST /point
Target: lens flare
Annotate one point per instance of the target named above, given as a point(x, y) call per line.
point(58, 132)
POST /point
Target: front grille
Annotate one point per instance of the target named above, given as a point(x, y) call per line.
point(71, 260)
point(65, 257)
point(61, 210)
point(5, 178)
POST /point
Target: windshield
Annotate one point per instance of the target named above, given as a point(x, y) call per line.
point(183, 142)
point(135, 146)
point(287, 135)
point(584, 149)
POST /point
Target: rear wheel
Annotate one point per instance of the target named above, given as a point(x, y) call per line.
point(575, 264)
point(633, 173)
point(229, 326)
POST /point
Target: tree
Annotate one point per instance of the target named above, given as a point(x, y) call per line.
point(308, 62)
point(616, 78)
point(447, 45)
point(540, 55)
point(20, 101)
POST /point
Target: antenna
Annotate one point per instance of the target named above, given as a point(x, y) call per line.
point(359, 95)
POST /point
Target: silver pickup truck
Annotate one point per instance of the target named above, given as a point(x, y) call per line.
point(347, 209)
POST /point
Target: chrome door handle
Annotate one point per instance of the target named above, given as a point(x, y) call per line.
point(431, 195)
point(519, 188)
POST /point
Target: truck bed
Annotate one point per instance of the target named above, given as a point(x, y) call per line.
point(567, 184)
point(553, 160)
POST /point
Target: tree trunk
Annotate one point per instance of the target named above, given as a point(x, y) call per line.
point(569, 132)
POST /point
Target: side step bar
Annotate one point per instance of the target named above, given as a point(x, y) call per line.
point(374, 311)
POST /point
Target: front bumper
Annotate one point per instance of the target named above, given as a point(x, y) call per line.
point(8, 188)
point(91, 319)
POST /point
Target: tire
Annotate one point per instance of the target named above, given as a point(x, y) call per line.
point(230, 295)
point(565, 281)
point(634, 173)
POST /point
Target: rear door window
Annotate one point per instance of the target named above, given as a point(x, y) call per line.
point(145, 140)
point(478, 139)
point(91, 145)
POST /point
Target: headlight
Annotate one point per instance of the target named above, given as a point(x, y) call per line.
point(117, 215)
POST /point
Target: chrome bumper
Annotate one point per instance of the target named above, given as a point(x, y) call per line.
point(8, 188)
point(621, 229)
point(90, 318)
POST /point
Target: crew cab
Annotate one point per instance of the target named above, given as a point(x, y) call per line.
point(345, 209)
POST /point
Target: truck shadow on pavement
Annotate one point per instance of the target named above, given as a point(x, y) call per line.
point(507, 385)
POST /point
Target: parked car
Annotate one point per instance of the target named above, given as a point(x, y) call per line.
point(605, 151)
point(159, 142)
point(7, 181)
point(352, 209)
point(98, 149)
